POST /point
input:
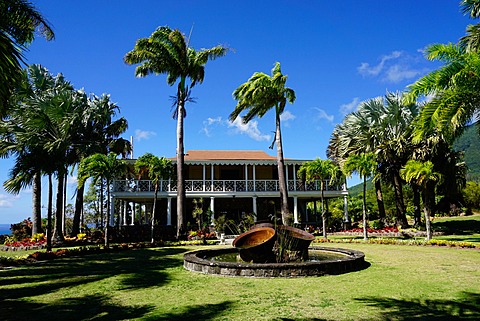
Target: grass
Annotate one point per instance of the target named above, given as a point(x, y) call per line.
point(401, 283)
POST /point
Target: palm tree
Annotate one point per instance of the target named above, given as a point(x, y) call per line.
point(365, 166)
point(157, 169)
point(19, 21)
point(381, 125)
point(166, 51)
point(102, 167)
point(257, 96)
point(321, 170)
point(100, 134)
point(23, 133)
point(455, 89)
point(422, 174)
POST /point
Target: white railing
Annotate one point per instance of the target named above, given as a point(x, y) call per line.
point(220, 186)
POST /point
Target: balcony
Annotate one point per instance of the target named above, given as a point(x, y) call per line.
point(221, 186)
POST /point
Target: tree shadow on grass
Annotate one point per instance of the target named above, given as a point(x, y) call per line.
point(465, 308)
point(137, 269)
point(202, 312)
point(94, 307)
point(460, 227)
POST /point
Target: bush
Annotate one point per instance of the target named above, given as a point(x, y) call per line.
point(22, 230)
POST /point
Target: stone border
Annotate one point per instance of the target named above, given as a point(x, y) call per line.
point(196, 262)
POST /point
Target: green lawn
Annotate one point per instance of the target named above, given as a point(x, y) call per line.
point(401, 283)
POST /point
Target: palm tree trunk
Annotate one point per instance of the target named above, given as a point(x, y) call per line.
point(101, 203)
point(427, 210)
point(154, 213)
point(49, 213)
point(416, 205)
point(78, 210)
point(381, 206)
point(282, 184)
point(365, 234)
point(401, 219)
point(180, 164)
point(324, 216)
point(58, 233)
point(107, 223)
point(37, 205)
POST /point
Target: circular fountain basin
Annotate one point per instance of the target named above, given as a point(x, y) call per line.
point(344, 261)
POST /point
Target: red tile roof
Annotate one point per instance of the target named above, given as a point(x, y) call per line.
point(193, 155)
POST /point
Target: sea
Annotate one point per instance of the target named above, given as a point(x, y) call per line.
point(5, 229)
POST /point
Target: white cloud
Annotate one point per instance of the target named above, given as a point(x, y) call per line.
point(395, 67)
point(143, 134)
point(250, 129)
point(286, 116)
point(207, 124)
point(322, 114)
point(397, 73)
point(351, 106)
point(367, 70)
point(6, 201)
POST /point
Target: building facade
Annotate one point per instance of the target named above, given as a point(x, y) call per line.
point(229, 183)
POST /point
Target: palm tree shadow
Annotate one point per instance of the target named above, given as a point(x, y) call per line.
point(466, 308)
point(92, 307)
point(202, 312)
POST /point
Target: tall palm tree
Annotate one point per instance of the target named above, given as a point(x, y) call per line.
point(101, 167)
point(166, 51)
point(422, 174)
point(323, 171)
point(100, 134)
point(365, 166)
point(22, 134)
point(257, 96)
point(19, 22)
point(157, 169)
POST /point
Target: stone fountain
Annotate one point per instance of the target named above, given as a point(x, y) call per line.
point(284, 251)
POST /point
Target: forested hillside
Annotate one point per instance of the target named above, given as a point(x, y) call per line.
point(469, 142)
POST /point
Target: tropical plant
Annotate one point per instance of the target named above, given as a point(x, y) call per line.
point(101, 167)
point(257, 96)
point(365, 166)
point(422, 174)
point(99, 134)
point(157, 169)
point(166, 51)
point(19, 22)
point(324, 171)
point(381, 125)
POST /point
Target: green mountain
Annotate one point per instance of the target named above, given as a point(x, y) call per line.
point(469, 143)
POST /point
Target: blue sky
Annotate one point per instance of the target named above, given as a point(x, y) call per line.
point(335, 53)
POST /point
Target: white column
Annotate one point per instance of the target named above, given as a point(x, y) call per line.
point(169, 211)
point(112, 210)
point(286, 174)
point(294, 178)
point(212, 204)
point(254, 183)
point(345, 209)
point(203, 177)
point(125, 206)
point(212, 173)
point(246, 177)
point(133, 214)
point(254, 200)
point(295, 209)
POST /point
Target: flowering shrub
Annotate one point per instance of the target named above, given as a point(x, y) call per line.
point(385, 230)
point(201, 235)
point(26, 244)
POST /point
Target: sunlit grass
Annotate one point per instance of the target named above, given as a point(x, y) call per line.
point(401, 283)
